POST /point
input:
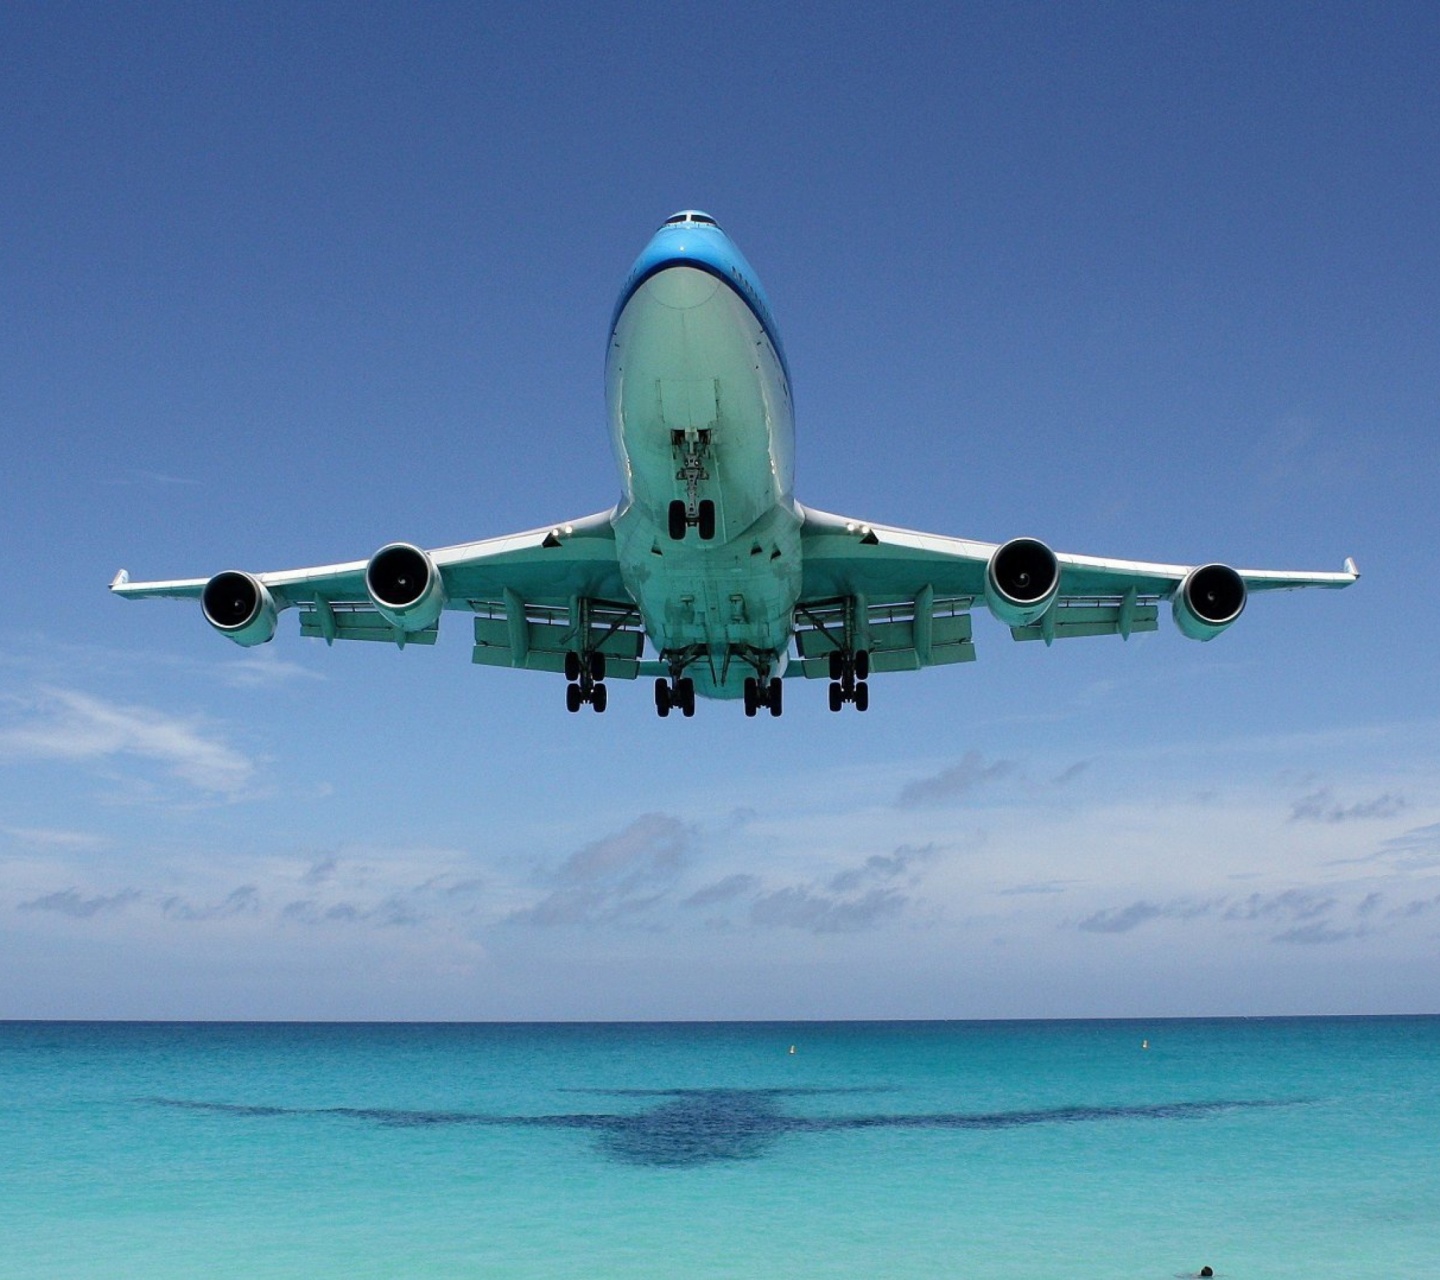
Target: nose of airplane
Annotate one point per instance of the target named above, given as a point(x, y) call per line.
point(683, 287)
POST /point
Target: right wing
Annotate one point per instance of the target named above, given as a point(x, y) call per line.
point(536, 596)
point(906, 596)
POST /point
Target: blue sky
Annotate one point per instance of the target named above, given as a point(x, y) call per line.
point(280, 285)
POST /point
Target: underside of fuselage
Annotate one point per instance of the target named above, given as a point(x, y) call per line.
point(708, 535)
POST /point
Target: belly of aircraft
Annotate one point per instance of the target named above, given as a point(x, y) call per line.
point(690, 367)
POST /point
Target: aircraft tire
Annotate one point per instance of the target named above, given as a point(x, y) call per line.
point(662, 697)
point(776, 699)
point(752, 696)
point(597, 665)
point(572, 665)
point(837, 696)
point(599, 698)
point(677, 521)
point(837, 664)
point(706, 519)
point(861, 697)
point(687, 694)
point(572, 697)
point(862, 664)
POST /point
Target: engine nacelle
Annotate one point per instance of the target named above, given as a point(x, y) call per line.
point(1021, 581)
point(1209, 600)
point(405, 586)
point(239, 606)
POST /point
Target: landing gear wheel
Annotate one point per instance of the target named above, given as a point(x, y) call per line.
point(685, 692)
point(752, 696)
point(706, 519)
point(837, 696)
point(776, 700)
point(597, 666)
point(572, 697)
point(572, 666)
point(862, 664)
point(599, 698)
point(837, 664)
point(861, 696)
point(662, 697)
point(677, 520)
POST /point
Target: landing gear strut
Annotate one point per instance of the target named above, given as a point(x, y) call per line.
point(848, 675)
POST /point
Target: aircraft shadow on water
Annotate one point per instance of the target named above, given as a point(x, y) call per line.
point(689, 1127)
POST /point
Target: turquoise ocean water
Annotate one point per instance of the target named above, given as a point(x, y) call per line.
point(1263, 1148)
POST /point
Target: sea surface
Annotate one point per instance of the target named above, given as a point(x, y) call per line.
point(1263, 1148)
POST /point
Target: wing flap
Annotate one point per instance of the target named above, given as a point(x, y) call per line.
point(345, 621)
point(1068, 621)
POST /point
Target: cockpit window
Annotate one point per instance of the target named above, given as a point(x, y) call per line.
point(689, 216)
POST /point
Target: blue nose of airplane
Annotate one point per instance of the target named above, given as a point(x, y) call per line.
point(692, 239)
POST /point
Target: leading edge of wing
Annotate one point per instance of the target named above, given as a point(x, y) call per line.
point(845, 556)
point(559, 558)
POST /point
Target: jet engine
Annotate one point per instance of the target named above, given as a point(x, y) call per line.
point(1021, 581)
point(1209, 600)
point(238, 605)
point(405, 586)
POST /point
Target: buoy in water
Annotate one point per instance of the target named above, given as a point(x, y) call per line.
point(1144, 1044)
point(1206, 1271)
point(792, 1048)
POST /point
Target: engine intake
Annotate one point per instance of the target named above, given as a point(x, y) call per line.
point(1021, 581)
point(1209, 600)
point(238, 605)
point(405, 586)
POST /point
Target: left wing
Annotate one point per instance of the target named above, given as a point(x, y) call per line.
point(536, 596)
point(905, 597)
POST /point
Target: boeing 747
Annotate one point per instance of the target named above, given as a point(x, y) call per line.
point(708, 576)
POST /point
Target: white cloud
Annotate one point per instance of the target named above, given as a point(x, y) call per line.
point(55, 838)
point(64, 724)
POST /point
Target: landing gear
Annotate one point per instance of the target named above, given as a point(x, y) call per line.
point(848, 674)
point(692, 448)
point(680, 519)
point(764, 693)
point(585, 674)
point(677, 692)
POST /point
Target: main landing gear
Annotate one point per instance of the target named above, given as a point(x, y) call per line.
point(848, 675)
point(585, 674)
point(764, 693)
point(678, 692)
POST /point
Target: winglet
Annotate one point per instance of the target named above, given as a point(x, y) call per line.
point(120, 579)
point(1350, 567)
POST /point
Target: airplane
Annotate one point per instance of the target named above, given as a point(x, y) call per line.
point(708, 558)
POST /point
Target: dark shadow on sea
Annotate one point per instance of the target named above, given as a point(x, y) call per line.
point(692, 1127)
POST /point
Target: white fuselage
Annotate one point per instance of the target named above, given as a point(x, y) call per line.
point(691, 364)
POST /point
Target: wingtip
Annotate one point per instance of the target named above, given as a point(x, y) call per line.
point(120, 579)
point(1350, 567)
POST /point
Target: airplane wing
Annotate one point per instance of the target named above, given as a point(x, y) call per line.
point(906, 596)
point(535, 596)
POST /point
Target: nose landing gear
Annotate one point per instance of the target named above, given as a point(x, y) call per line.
point(692, 448)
